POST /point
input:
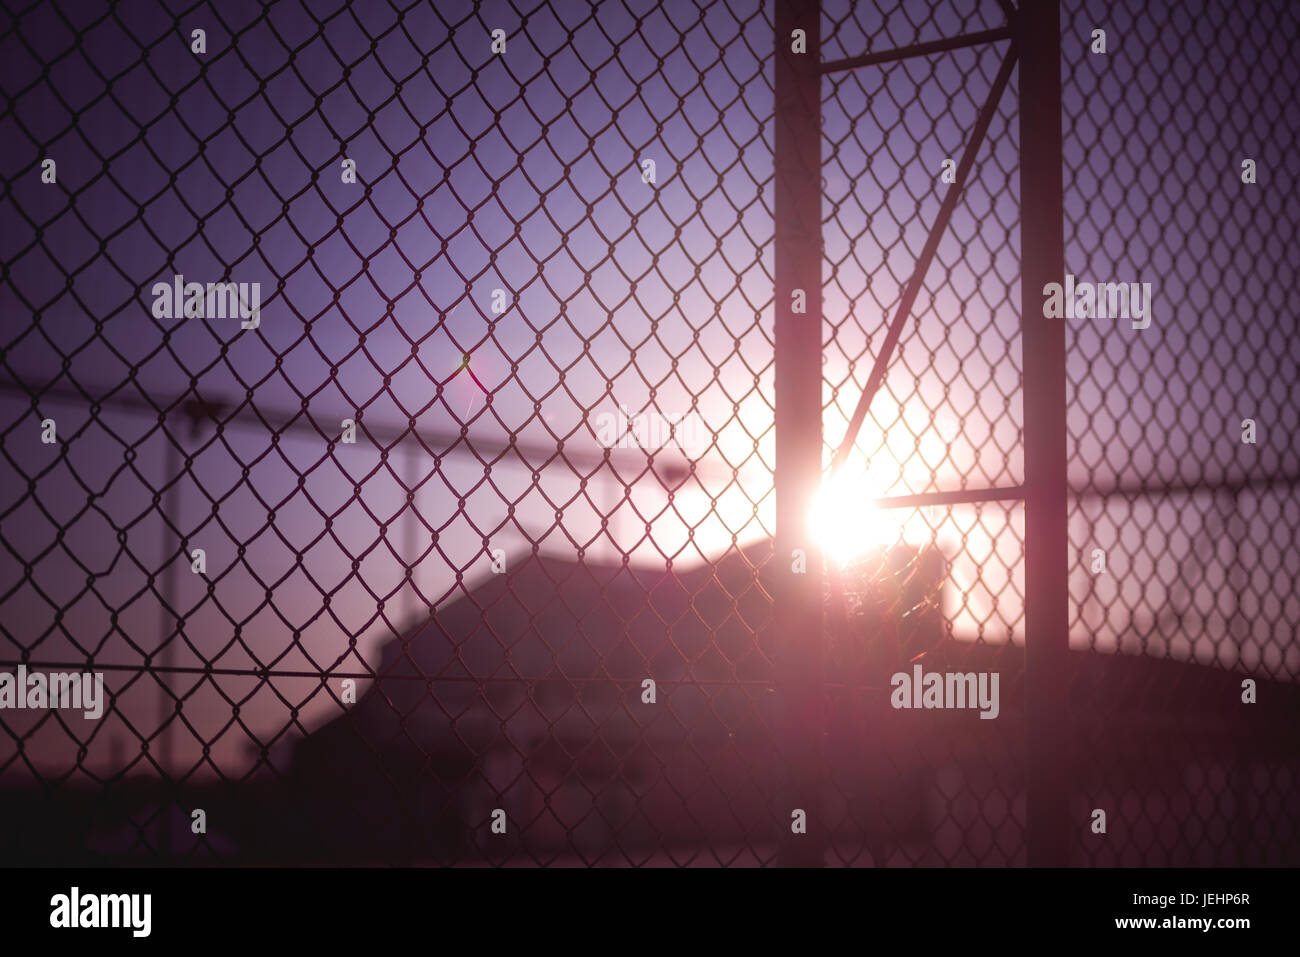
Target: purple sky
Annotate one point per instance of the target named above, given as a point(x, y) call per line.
point(479, 171)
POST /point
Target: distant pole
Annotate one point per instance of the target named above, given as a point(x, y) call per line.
point(797, 611)
point(170, 626)
point(410, 531)
point(1042, 241)
point(174, 555)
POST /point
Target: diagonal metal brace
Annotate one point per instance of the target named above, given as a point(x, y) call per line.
point(917, 49)
point(923, 261)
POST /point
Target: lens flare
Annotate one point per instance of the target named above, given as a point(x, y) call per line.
point(846, 521)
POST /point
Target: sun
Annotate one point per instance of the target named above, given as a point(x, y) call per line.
point(846, 521)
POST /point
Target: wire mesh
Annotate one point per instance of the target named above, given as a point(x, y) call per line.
point(379, 571)
point(1194, 519)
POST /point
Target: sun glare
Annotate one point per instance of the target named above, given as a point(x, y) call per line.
point(846, 522)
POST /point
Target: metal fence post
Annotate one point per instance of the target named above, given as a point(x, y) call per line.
point(797, 613)
point(1046, 541)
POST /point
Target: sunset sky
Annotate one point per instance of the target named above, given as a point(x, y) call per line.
point(523, 172)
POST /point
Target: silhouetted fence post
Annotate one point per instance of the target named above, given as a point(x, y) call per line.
point(1042, 241)
point(797, 614)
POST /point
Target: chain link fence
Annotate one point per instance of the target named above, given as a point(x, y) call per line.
point(1183, 434)
point(445, 534)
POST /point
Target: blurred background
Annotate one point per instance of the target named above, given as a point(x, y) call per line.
point(494, 581)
